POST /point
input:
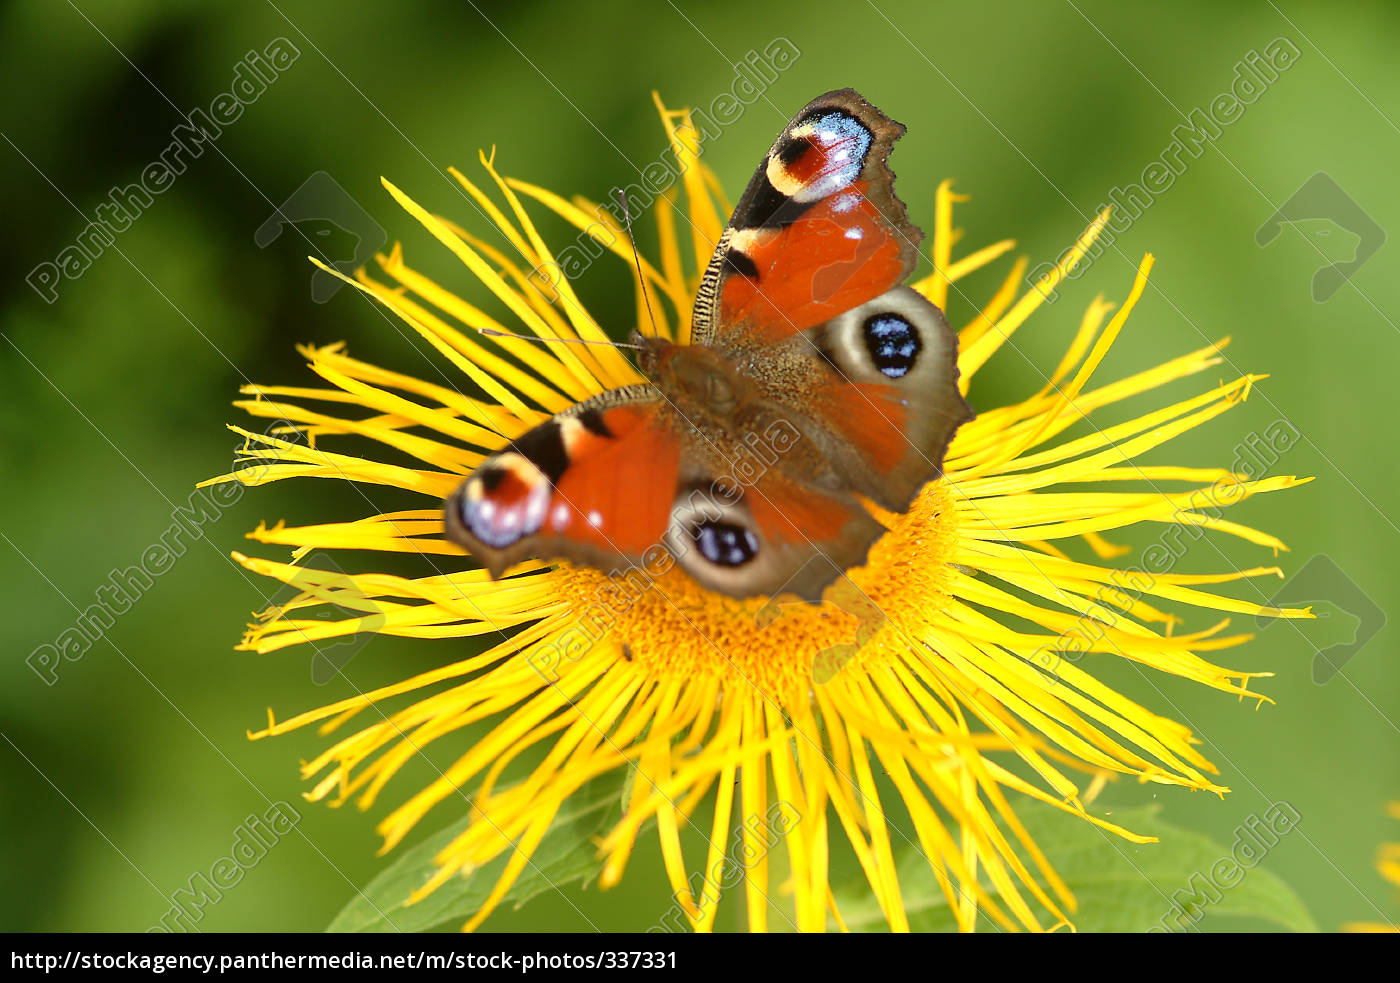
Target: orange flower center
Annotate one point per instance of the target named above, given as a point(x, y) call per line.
point(672, 628)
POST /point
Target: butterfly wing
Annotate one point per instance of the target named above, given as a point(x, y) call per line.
point(617, 481)
point(817, 232)
point(593, 484)
point(808, 537)
point(805, 287)
point(878, 385)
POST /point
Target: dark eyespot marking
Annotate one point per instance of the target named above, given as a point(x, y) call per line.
point(491, 478)
point(724, 544)
point(843, 142)
point(893, 343)
point(739, 263)
point(502, 503)
point(544, 448)
point(769, 208)
point(483, 519)
point(822, 153)
point(592, 421)
point(792, 150)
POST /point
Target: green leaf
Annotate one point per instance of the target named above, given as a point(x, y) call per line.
point(566, 854)
point(1184, 882)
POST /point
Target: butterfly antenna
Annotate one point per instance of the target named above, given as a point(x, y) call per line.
point(636, 257)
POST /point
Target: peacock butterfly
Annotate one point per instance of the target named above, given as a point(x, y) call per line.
point(814, 380)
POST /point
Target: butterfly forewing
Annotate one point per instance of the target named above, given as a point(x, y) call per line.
point(817, 232)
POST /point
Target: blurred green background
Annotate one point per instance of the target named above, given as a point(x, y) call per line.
point(132, 771)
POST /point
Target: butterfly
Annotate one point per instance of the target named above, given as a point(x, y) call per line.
point(814, 381)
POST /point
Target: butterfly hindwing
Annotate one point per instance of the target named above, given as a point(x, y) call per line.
point(880, 385)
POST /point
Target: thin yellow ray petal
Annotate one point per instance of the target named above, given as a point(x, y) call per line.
point(811, 758)
point(600, 227)
point(886, 886)
point(1103, 549)
point(716, 189)
point(753, 796)
point(427, 450)
point(433, 330)
point(1152, 430)
point(987, 316)
point(519, 858)
point(705, 224)
point(1171, 507)
point(975, 355)
point(483, 272)
point(491, 416)
point(671, 257)
point(494, 215)
point(942, 251)
point(1088, 328)
point(983, 435)
point(973, 262)
point(1063, 713)
point(324, 464)
point(714, 859)
point(789, 790)
point(540, 361)
point(1065, 397)
point(610, 367)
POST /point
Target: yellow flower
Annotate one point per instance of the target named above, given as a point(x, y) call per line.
point(1388, 863)
point(966, 683)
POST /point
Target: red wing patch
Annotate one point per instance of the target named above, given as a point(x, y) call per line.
point(871, 416)
point(811, 535)
point(837, 255)
point(792, 514)
point(597, 480)
point(617, 491)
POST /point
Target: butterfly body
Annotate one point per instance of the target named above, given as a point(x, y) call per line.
point(813, 382)
point(713, 401)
